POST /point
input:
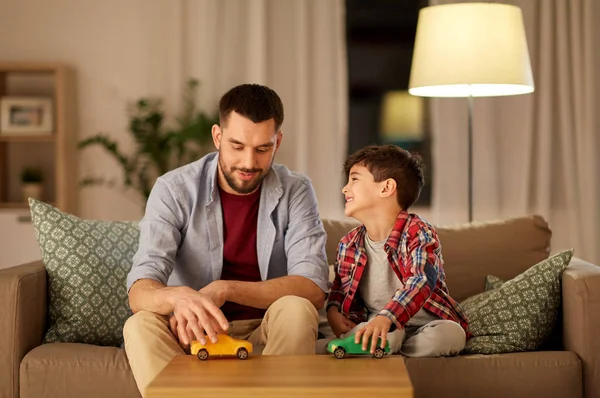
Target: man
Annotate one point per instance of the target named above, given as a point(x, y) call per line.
point(231, 243)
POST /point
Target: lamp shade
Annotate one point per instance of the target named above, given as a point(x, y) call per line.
point(470, 49)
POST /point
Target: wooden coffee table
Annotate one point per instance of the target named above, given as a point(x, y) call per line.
point(282, 376)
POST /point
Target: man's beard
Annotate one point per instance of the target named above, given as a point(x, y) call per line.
point(242, 187)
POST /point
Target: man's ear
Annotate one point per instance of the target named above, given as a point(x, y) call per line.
point(217, 133)
point(279, 138)
point(388, 188)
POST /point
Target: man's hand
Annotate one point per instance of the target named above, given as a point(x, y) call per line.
point(378, 327)
point(196, 315)
point(216, 291)
point(338, 322)
point(173, 327)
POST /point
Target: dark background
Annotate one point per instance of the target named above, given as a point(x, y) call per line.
point(380, 36)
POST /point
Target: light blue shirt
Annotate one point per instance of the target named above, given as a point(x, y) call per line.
point(181, 234)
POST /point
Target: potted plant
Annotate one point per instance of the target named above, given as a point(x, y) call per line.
point(159, 148)
point(31, 183)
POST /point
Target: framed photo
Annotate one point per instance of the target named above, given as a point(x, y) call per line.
point(26, 116)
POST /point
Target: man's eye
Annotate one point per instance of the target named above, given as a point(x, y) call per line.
point(353, 179)
point(262, 150)
point(238, 148)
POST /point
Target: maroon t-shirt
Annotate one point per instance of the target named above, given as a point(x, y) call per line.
point(240, 259)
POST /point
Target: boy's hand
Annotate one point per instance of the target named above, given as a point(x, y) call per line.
point(338, 322)
point(378, 327)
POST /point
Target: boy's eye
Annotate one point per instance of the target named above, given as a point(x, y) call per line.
point(353, 179)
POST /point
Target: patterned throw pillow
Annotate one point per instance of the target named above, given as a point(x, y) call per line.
point(87, 264)
point(492, 282)
point(520, 314)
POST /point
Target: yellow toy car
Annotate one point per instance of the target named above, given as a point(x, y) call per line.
point(225, 346)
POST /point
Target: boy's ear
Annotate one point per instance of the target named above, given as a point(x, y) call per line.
point(388, 188)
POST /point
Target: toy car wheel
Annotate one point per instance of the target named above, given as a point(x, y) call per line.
point(203, 355)
point(379, 353)
point(242, 353)
point(339, 353)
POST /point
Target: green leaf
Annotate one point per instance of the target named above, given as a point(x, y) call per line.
point(158, 148)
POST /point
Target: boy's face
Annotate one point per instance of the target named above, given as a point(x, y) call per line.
point(362, 193)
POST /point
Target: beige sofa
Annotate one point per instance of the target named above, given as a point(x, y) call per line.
point(505, 249)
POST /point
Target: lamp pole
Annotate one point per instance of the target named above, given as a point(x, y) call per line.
point(470, 149)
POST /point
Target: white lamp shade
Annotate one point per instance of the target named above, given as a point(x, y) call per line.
point(470, 49)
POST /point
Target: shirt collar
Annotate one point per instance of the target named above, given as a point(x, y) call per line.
point(212, 182)
point(358, 240)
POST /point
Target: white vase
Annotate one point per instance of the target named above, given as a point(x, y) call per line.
point(31, 190)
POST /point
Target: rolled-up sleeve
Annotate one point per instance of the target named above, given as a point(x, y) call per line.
point(160, 236)
point(305, 238)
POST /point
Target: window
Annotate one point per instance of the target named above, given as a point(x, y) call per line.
point(380, 35)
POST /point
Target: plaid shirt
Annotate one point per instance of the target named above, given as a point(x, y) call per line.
point(415, 255)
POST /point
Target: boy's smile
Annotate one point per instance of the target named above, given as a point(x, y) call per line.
point(360, 193)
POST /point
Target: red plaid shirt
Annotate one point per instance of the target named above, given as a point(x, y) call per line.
point(415, 255)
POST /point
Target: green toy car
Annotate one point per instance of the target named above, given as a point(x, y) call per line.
point(346, 346)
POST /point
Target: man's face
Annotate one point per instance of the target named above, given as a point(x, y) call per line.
point(246, 152)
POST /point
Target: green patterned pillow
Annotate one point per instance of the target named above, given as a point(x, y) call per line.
point(87, 264)
point(492, 282)
point(520, 314)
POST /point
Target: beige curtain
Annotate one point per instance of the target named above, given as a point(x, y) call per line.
point(297, 47)
point(536, 153)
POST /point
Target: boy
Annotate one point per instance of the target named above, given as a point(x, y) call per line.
point(389, 276)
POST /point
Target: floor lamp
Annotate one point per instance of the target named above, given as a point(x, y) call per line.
point(470, 50)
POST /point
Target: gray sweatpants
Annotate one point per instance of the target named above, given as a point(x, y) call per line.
point(433, 338)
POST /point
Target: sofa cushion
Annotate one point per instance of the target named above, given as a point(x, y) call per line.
point(87, 264)
point(76, 370)
point(520, 314)
point(503, 248)
point(551, 374)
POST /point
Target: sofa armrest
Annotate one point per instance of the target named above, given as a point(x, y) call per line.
point(581, 306)
point(22, 320)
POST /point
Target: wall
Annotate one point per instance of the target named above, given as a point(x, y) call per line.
point(17, 244)
point(120, 51)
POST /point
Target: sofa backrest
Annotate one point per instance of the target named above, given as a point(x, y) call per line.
point(502, 248)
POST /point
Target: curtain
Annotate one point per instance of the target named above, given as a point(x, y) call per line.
point(296, 47)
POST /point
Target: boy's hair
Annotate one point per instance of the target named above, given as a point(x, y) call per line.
point(252, 101)
point(391, 161)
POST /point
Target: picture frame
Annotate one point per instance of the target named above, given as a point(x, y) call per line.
point(26, 116)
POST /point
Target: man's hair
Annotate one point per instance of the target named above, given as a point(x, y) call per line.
point(391, 161)
point(252, 101)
